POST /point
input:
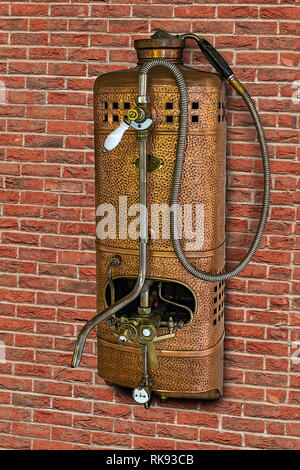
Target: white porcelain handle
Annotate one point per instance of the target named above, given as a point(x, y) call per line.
point(115, 137)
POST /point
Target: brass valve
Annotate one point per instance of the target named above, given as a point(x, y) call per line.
point(136, 114)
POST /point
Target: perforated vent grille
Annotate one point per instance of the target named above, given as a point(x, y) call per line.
point(218, 308)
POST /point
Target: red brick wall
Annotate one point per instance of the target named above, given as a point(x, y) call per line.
point(51, 52)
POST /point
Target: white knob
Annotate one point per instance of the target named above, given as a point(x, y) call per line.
point(141, 395)
point(115, 137)
point(146, 332)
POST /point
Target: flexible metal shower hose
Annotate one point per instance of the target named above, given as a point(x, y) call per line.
point(178, 172)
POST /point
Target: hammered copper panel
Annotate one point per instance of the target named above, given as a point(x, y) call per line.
point(175, 374)
point(202, 333)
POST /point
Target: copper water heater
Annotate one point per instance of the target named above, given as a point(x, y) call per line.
point(160, 143)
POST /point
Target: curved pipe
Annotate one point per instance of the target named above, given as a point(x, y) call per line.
point(180, 160)
point(142, 261)
point(185, 307)
point(115, 261)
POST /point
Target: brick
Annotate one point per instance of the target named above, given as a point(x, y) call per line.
point(39, 444)
point(17, 266)
point(21, 9)
point(274, 443)
point(131, 427)
point(35, 312)
point(275, 427)
point(32, 401)
point(256, 27)
point(113, 11)
point(242, 424)
point(69, 10)
point(193, 11)
point(52, 388)
point(17, 296)
point(245, 393)
point(88, 54)
point(13, 24)
point(112, 410)
point(24, 154)
point(52, 241)
point(93, 423)
point(105, 440)
point(276, 396)
point(62, 39)
point(57, 270)
point(55, 299)
point(237, 12)
point(76, 257)
point(278, 12)
point(271, 412)
point(71, 435)
point(276, 349)
point(28, 197)
point(11, 442)
point(227, 438)
point(33, 370)
point(12, 383)
point(31, 430)
point(119, 26)
point(64, 156)
point(35, 341)
point(148, 443)
point(213, 27)
point(38, 254)
point(29, 39)
point(293, 429)
point(197, 419)
point(52, 417)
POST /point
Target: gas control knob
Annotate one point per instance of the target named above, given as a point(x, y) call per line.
point(141, 395)
point(146, 332)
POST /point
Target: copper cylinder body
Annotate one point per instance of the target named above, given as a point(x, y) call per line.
point(191, 363)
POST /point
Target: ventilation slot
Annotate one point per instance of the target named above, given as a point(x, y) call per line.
point(169, 118)
point(169, 105)
point(218, 308)
point(194, 118)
